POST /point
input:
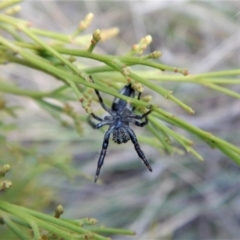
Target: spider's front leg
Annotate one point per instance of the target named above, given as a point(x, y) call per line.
point(100, 99)
point(137, 148)
point(139, 117)
point(138, 98)
point(92, 124)
point(103, 151)
point(141, 124)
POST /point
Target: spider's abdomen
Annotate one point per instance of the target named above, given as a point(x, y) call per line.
point(120, 135)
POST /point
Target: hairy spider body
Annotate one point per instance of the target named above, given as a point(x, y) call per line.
point(120, 135)
point(121, 115)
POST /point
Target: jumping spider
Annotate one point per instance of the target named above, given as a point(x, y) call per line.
point(121, 114)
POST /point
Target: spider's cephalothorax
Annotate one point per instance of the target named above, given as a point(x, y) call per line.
point(121, 114)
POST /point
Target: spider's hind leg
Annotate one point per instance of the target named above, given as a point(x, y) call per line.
point(138, 149)
point(103, 152)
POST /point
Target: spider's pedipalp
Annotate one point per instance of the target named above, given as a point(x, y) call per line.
point(103, 152)
point(137, 148)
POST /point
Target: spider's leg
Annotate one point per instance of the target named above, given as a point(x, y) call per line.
point(139, 95)
point(96, 117)
point(141, 124)
point(101, 124)
point(137, 123)
point(137, 148)
point(103, 151)
point(92, 124)
point(100, 99)
point(141, 116)
point(97, 125)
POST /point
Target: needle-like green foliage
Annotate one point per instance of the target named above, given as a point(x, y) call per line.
point(50, 58)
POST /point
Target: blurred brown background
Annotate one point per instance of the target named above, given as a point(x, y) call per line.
point(182, 198)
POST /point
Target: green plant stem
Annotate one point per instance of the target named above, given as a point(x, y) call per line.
point(57, 36)
point(34, 59)
point(19, 233)
point(219, 74)
point(107, 72)
point(42, 219)
point(22, 92)
point(23, 28)
point(111, 231)
point(130, 61)
point(159, 136)
point(230, 154)
point(197, 78)
point(66, 76)
point(183, 141)
point(49, 49)
point(150, 141)
point(80, 222)
point(93, 44)
point(35, 230)
point(165, 93)
point(167, 130)
point(206, 136)
point(11, 30)
point(222, 89)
